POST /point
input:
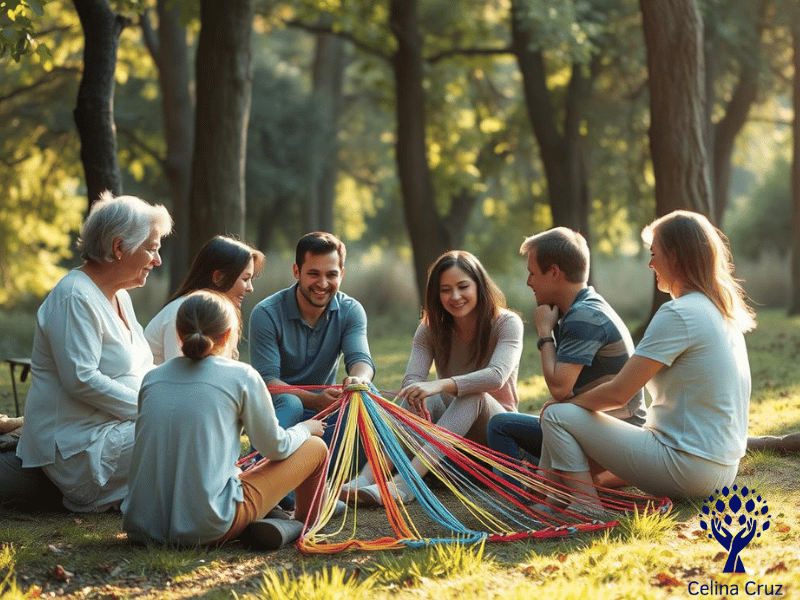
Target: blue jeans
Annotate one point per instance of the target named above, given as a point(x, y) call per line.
point(290, 411)
point(516, 435)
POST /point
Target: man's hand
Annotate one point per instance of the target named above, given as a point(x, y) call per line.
point(314, 427)
point(355, 380)
point(322, 400)
point(545, 318)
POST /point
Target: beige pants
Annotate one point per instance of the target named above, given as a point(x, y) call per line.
point(573, 434)
point(265, 485)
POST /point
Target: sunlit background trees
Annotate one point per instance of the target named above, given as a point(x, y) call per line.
point(408, 127)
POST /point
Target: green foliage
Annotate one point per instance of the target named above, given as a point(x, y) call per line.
point(40, 209)
point(326, 584)
point(761, 225)
point(433, 562)
point(17, 28)
point(570, 28)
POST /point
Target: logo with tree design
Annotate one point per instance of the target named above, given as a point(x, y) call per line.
point(724, 511)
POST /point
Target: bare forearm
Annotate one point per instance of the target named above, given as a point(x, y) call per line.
point(361, 370)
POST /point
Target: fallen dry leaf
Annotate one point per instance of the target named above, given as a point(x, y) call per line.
point(777, 568)
point(666, 580)
point(551, 569)
point(62, 574)
point(699, 533)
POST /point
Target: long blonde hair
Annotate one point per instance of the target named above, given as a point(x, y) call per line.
point(700, 257)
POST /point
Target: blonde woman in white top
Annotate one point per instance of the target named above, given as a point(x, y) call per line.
point(693, 361)
point(89, 357)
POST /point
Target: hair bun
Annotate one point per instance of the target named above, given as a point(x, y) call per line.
point(196, 345)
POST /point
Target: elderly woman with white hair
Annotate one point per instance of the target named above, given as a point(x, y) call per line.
point(90, 355)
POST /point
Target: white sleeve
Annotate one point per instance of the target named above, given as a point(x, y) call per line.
point(665, 338)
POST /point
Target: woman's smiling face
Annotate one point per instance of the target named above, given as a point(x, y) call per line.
point(458, 292)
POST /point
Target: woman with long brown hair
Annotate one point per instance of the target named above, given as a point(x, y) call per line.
point(475, 344)
point(224, 264)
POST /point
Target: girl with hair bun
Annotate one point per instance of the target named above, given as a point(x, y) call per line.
point(185, 487)
point(224, 264)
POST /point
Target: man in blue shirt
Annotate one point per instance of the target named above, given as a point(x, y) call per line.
point(582, 340)
point(298, 334)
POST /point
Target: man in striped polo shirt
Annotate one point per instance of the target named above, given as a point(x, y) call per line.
point(582, 340)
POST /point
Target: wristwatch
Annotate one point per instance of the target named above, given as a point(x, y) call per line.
point(542, 341)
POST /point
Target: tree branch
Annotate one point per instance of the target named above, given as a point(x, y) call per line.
point(770, 121)
point(136, 141)
point(468, 52)
point(47, 78)
point(150, 37)
point(311, 28)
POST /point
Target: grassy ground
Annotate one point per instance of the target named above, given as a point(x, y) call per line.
point(87, 556)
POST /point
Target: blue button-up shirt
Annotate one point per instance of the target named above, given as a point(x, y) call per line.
point(283, 346)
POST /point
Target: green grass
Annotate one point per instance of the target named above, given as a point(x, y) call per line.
point(645, 557)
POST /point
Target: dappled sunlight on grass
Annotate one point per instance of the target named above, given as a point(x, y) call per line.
point(645, 558)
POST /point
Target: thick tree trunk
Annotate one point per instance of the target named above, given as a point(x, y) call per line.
point(328, 74)
point(224, 82)
point(673, 34)
point(429, 237)
point(673, 37)
point(94, 109)
point(794, 306)
point(178, 107)
point(170, 53)
point(563, 154)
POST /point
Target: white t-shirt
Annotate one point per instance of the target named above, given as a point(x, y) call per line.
point(184, 484)
point(162, 335)
point(701, 399)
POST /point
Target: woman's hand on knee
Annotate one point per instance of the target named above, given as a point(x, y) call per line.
point(550, 402)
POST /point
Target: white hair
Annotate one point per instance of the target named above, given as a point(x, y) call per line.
point(128, 218)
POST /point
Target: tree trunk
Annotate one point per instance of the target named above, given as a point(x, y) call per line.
point(563, 155)
point(224, 82)
point(328, 73)
point(170, 54)
point(794, 306)
point(429, 237)
point(94, 109)
point(673, 37)
point(724, 133)
point(673, 34)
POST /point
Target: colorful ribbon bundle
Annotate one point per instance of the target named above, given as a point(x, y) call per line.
point(480, 494)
